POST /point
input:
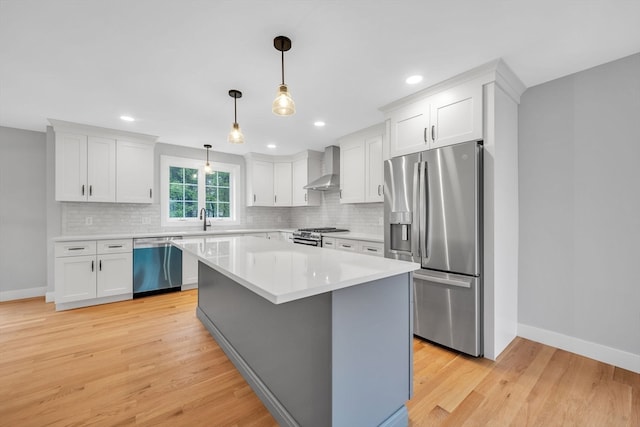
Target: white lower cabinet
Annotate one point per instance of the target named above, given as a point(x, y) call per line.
point(352, 245)
point(92, 272)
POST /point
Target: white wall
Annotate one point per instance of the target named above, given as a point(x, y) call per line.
point(579, 184)
point(22, 213)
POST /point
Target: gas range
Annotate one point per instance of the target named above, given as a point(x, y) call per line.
point(313, 236)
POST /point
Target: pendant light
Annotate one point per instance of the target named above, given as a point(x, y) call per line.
point(235, 136)
point(283, 105)
point(207, 166)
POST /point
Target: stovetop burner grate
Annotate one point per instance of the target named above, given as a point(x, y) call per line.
point(323, 230)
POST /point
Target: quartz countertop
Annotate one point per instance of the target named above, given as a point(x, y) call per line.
point(356, 236)
point(182, 233)
point(281, 272)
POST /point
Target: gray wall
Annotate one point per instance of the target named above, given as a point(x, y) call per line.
point(22, 213)
point(579, 184)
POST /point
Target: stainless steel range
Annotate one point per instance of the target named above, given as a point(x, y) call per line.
point(313, 236)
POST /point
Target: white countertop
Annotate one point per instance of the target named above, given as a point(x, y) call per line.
point(282, 272)
point(182, 233)
point(356, 236)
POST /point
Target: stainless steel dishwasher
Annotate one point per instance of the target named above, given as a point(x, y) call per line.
point(157, 266)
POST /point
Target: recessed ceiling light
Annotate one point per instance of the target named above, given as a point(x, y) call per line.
point(318, 124)
point(127, 118)
point(272, 146)
point(413, 79)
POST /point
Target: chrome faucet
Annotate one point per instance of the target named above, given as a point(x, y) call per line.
point(203, 217)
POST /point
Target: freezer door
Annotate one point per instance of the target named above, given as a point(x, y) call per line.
point(450, 187)
point(401, 233)
point(447, 310)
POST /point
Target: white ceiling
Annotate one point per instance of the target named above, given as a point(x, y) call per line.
point(170, 63)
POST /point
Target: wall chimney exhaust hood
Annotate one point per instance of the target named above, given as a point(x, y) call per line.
point(331, 179)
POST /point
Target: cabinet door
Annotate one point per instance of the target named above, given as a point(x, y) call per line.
point(261, 180)
point(299, 172)
point(189, 269)
point(115, 274)
point(352, 172)
point(374, 180)
point(456, 115)
point(71, 167)
point(75, 278)
point(134, 175)
point(282, 184)
point(409, 126)
point(101, 169)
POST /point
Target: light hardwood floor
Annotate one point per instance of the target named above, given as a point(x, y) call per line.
point(150, 362)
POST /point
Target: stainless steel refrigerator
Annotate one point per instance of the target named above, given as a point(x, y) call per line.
point(433, 216)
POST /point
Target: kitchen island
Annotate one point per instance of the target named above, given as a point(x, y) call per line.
point(322, 336)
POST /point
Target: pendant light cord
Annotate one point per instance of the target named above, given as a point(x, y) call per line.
point(235, 109)
point(282, 51)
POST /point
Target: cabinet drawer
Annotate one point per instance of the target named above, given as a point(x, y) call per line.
point(371, 248)
point(64, 249)
point(115, 246)
point(347, 245)
point(329, 242)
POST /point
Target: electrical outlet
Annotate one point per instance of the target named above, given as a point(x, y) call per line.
point(88, 220)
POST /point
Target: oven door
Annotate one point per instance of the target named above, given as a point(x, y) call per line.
point(308, 242)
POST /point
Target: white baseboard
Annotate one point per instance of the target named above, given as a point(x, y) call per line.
point(22, 293)
point(602, 353)
point(50, 297)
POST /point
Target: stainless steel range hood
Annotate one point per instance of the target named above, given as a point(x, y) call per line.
point(331, 179)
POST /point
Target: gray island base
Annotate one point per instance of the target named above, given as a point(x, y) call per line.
point(341, 358)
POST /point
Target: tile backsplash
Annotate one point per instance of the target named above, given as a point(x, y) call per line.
point(106, 218)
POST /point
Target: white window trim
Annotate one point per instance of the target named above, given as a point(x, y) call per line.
point(234, 183)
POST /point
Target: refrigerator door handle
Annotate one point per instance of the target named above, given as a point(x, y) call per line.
point(459, 281)
point(424, 231)
point(415, 222)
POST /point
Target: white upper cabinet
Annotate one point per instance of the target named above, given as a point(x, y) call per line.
point(282, 184)
point(436, 119)
point(259, 182)
point(306, 167)
point(374, 178)
point(280, 180)
point(134, 174)
point(101, 169)
point(361, 166)
point(456, 115)
point(85, 168)
point(409, 126)
point(71, 167)
point(102, 165)
point(352, 170)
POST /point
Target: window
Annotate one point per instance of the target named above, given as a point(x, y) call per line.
point(186, 189)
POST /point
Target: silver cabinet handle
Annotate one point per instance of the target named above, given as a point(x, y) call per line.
point(433, 133)
point(100, 265)
point(92, 265)
point(379, 186)
point(76, 249)
point(91, 190)
point(305, 197)
point(372, 250)
point(114, 246)
point(275, 198)
point(83, 189)
point(424, 136)
point(341, 194)
point(254, 198)
point(150, 193)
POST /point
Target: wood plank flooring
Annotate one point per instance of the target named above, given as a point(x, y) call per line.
point(150, 362)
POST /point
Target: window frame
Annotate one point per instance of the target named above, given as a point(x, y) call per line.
point(166, 162)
